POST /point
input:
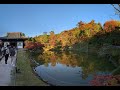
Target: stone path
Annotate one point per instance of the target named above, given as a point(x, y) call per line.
point(5, 71)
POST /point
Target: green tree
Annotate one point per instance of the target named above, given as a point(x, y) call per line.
point(30, 39)
point(45, 38)
point(22, 34)
point(33, 40)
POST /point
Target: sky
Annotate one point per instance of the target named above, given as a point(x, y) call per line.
point(34, 19)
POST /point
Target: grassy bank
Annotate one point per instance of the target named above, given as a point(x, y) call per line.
point(26, 77)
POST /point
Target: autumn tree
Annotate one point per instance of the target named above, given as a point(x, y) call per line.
point(33, 45)
point(52, 39)
point(80, 24)
point(42, 38)
point(111, 25)
point(89, 29)
point(45, 38)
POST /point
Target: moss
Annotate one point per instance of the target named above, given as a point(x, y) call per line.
point(26, 77)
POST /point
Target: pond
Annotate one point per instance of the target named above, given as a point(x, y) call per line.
point(71, 69)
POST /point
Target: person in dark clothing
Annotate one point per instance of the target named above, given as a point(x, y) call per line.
point(12, 54)
point(6, 53)
point(0, 50)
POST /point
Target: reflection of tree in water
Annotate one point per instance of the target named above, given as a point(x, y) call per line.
point(93, 64)
point(68, 60)
point(53, 60)
point(62, 58)
point(90, 64)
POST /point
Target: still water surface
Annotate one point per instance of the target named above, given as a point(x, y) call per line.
point(71, 69)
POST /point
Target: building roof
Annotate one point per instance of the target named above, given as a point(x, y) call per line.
point(14, 35)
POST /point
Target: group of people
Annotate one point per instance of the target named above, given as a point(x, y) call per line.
point(7, 51)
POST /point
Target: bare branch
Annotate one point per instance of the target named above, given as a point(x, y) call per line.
point(116, 8)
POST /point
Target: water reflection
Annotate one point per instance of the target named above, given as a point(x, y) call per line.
point(68, 68)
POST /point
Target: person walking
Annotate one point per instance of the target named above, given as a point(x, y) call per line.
point(12, 55)
point(2, 52)
point(6, 53)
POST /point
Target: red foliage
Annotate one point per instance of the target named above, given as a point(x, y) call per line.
point(103, 80)
point(33, 45)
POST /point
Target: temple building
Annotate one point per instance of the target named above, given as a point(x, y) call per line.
point(14, 38)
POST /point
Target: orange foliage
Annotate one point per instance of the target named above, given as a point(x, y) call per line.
point(110, 25)
point(52, 39)
point(90, 28)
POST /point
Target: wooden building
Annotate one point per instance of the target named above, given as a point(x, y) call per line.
point(14, 38)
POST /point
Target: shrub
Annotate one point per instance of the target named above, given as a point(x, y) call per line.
point(33, 45)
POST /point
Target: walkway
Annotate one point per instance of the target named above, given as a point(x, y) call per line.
point(5, 71)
